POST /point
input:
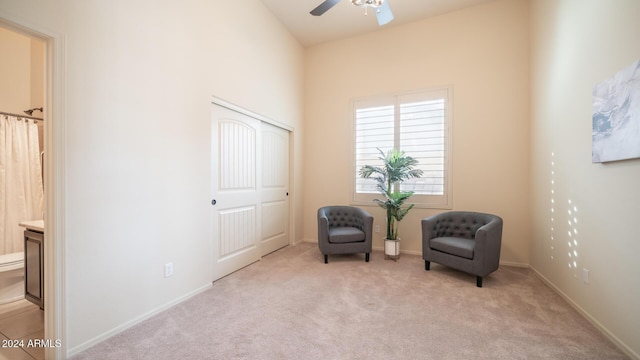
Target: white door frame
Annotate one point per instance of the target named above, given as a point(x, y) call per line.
point(241, 110)
point(54, 140)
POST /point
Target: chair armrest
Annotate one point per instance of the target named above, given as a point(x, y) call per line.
point(490, 234)
point(488, 245)
point(367, 224)
point(429, 231)
point(323, 226)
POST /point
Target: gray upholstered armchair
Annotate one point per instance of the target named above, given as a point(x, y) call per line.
point(466, 241)
point(344, 230)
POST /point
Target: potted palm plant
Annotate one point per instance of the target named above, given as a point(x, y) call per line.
point(397, 167)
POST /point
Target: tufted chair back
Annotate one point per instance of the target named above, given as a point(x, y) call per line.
point(459, 224)
point(344, 216)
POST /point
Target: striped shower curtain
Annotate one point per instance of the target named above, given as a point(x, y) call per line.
point(21, 190)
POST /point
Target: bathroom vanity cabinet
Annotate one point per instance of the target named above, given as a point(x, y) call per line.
point(34, 261)
point(33, 267)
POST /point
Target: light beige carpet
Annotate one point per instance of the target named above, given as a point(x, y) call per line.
point(291, 305)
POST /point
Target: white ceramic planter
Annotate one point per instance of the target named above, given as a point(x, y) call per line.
point(392, 249)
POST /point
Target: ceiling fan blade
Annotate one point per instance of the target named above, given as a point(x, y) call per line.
point(324, 7)
point(384, 14)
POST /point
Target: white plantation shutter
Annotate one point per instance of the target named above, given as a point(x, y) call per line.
point(422, 136)
point(416, 123)
point(374, 129)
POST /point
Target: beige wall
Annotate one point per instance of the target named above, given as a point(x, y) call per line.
point(138, 80)
point(15, 72)
point(575, 45)
point(36, 86)
point(22, 74)
point(21, 71)
point(483, 53)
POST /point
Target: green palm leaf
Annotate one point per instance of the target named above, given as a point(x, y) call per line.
point(397, 167)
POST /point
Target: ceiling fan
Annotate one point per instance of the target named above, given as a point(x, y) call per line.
point(381, 7)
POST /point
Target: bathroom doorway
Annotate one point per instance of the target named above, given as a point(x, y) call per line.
point(50, 78)
point(22, 127)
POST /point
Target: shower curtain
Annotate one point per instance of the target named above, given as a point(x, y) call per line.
point(21, 190)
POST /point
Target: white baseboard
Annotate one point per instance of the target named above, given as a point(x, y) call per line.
point(621, 345)
point(104, 336)
point(313, 241)
point(12, 299)
point(515, 264)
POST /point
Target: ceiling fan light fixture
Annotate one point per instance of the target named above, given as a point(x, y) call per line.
point(380, 7)
point(367, 3)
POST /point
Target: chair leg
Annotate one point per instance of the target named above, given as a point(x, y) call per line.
point(427, 265)
point(366, 257)
point(326, 259)
point(479, 281)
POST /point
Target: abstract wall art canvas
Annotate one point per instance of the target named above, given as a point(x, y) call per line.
point(616, 117)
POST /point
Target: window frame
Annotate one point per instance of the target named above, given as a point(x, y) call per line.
point(420, 200)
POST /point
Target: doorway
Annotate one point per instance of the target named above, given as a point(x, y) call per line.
point(21, 186)
point(52, 82)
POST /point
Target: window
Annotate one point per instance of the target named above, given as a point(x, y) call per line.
point(416, 123)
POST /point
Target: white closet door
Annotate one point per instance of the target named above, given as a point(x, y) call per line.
point(236, 184)
point(275, 188)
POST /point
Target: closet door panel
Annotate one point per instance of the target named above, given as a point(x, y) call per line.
point(235, 191)
point(275, 188)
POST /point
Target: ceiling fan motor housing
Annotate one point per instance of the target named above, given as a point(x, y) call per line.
point(364, 3)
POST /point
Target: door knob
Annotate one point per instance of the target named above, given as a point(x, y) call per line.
point(213, 201)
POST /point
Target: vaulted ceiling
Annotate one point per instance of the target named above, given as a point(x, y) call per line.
point(345, 19)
